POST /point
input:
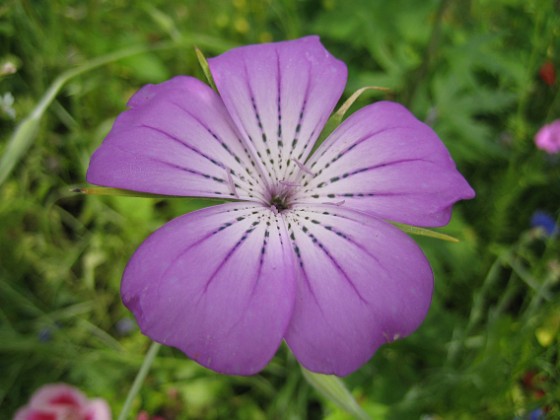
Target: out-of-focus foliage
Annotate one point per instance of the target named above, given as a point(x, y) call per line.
point(489, 347)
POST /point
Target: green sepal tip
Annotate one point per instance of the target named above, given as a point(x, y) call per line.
point(415, 230)
point(205, 67)
point(114, 191)
point(336, 118)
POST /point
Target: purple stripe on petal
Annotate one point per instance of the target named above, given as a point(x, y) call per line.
point(182, 143)
point(184, 123)
point(328, 256)
point(385, 162)
point(279, 95)
point(362, 283)
point(216, 283)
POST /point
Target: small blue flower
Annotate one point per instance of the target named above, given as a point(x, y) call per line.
point(537, 414)
point(125, 326)
point(45, 334)
point(541, 219)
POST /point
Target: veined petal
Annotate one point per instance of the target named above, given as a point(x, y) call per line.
point(218, 284)
point(383, 161)
point(280, 96)
point(176, 139)
point(361, 283)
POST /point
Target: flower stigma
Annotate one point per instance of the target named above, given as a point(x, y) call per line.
point(281, 196)
point(279, 203)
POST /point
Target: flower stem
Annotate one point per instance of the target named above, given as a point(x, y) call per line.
point(139, 380)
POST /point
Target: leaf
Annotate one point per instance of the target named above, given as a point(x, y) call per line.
point(333, 389)
point(21, 140)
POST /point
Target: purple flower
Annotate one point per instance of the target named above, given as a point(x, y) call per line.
point(304, 253)
point(548, 137)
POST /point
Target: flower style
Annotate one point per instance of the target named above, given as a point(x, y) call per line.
point(548, 137)
point(63, 402)
point(305, 252)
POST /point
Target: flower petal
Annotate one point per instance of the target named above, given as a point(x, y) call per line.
point(383, 161)
point(362, 282)
point(216, 283)
point(58, 395)
point(97, 409)
point(280, 96)
point(177, 139)
point(43, 413)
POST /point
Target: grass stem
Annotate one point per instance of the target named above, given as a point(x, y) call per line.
point(139, 380)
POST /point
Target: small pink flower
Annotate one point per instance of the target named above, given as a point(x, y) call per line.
point(63, 402)
point(548, 137)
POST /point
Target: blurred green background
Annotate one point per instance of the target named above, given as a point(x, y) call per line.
point(472, 69)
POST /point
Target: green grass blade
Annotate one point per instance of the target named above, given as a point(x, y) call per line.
point(139, 380)
point(20, 141)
